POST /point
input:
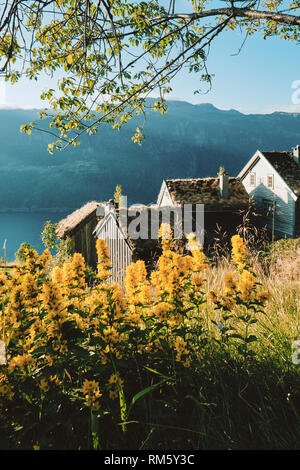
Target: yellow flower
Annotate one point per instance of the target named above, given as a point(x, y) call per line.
point(162, 310)
point(52, 300)
point(197, 280)
point(20, 361)
point(103, 259)
point(137, 286)
point(213, 296)
point(230, 283)
point(16, 298)
point(3, 283)
point(31, 259)
point(166, 235)
point(113, 385)
point(263, 296)
point(44, 259)
point(44, 385)
point(200, 262)
point(57, 275)
point(56, 380)
point(246, 285)
point(78, 268)
point(239, 252)
point(30, 290)
point(6, 390)
point(181, 349)
point(92, 395)
point(228, 302)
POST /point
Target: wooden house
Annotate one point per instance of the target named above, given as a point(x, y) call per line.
point(127, 232)
point(272, 180)
point(79, 227)
point(105, 220)
point(224, 201)
point(132, 233)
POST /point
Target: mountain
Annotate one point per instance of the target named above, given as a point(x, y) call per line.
point(189, 141)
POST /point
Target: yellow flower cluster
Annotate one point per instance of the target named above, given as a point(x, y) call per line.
point(113, 385)
point(3, 283)
point(34, 263)
point(92, 395)
point(166, 236)
point(44, 385)
point(58, 313)
point(239, 252)
point(103, 259)
point(181, 348)
point(138, 289)
point(246, 285)
point(6, 389)
point(21, 361)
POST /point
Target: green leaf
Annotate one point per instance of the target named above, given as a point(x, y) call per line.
point(142, 393)
point(251, 338)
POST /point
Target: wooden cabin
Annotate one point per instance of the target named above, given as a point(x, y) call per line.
point(79, 227)
point(132, 233)
point(104, 220)
point(224, 201)
point(120, 228)
point(272, 180)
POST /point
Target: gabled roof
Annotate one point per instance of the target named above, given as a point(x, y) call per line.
point(207, 191)
point(73, 221)
point(147, 249)
point(105, 220)
point(287, 168)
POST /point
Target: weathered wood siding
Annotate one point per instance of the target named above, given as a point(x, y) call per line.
point(280, 194)
point(84, 241)
point(119, 249)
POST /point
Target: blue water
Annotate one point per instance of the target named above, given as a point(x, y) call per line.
point(20, 227)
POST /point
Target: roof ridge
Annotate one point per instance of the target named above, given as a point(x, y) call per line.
point(198, 179)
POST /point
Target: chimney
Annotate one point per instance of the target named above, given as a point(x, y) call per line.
point(223, 178)
point(296, 154)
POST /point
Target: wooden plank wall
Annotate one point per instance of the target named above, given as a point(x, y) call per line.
point(119, 250)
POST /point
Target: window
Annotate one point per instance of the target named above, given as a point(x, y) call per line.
point(252, 179)
point(270, 181)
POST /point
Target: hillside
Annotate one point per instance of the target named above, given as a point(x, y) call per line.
point(190, 141)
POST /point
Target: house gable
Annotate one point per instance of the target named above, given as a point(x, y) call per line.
point(164, 196)
point(120, 250)
point(273, 197)
point(262, 171)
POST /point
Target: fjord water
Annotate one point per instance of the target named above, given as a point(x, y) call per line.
point(18, 227)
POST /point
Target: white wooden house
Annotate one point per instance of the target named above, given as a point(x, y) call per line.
point(272, 180)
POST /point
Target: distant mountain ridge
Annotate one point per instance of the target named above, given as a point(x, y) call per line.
point(189, 141)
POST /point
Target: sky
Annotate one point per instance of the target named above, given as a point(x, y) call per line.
point(262, 78)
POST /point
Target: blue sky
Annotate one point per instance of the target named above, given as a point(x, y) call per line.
point(257, 80)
